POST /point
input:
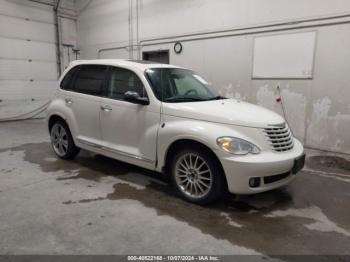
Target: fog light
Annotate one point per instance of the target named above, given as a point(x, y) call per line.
point(254, 182)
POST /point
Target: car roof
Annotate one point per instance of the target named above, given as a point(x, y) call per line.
point(137, 64)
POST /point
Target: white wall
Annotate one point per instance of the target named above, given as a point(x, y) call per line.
point(318, 109)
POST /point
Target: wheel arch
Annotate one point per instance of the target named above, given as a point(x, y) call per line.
point(54, 118)
point(71, 149)
point(189, 143)
point(179, 144)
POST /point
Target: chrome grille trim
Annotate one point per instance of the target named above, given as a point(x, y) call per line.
point(279, 138)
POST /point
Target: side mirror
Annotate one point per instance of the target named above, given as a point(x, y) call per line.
point(134, 97)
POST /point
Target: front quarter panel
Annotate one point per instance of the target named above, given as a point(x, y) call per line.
point(177, 128)
point(238, 169)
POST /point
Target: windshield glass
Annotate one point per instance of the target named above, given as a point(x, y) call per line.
point(179, 85)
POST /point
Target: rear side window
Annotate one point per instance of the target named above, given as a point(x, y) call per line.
point(123, 80)
point(90, 79)
point(67, 82)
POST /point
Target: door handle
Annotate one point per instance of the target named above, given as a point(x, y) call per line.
point(106, 108)
point(69, 101)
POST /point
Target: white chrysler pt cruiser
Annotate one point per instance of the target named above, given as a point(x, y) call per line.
point(169, 119)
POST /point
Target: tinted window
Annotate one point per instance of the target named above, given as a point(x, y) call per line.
point(67, 82)
point(90, 79)
point(123, 80)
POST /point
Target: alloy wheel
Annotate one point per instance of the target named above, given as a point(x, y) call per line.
point(59, 139)
point(193, 175)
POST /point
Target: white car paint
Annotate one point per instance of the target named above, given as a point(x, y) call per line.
point(130, 128)
point(141, 135)
point(230, 111)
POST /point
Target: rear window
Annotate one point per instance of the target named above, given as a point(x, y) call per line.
point(90, 79)
point(67, 82)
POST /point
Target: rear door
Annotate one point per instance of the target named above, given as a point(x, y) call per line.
point(83, 99)
point(129, 130)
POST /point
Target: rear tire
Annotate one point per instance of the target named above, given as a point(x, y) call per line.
point(197, 176)
point(62, 141)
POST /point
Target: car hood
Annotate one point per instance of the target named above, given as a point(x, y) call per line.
point(226, 111)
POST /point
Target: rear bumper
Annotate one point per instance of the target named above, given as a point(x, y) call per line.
point(273, 168)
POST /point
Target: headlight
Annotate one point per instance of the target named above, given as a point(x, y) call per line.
point(237, 146)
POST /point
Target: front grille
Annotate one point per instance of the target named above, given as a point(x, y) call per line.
point(272, 179)
point(279, 137)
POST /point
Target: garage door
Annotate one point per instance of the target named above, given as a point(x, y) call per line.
point(28, 72)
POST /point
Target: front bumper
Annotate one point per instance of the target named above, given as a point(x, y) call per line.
point(240, 169)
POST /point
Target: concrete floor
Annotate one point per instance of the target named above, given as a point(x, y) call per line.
point(96, 205)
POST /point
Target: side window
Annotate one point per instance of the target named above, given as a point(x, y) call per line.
point(67, 82)
point(90, 79)
point(123, 80)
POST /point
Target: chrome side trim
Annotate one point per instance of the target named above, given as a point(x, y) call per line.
point(89, 143)
point(115, 151)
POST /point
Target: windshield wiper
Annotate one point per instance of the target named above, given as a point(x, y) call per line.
point(182, 99)
point(217, 98)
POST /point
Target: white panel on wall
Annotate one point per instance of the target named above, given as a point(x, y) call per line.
point(24, 70)
point(19, 49)
point(27, 9)
point(16, 28)
point(21, 90)
point(284, 55)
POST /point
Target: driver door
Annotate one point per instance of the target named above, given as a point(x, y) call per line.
point(129, 130)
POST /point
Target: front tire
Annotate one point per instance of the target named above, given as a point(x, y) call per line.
point(62, 141)
point(197, 176)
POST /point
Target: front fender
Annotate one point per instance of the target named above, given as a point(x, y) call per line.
point(206, 133)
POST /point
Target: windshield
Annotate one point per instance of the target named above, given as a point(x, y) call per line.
point(179, 85)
